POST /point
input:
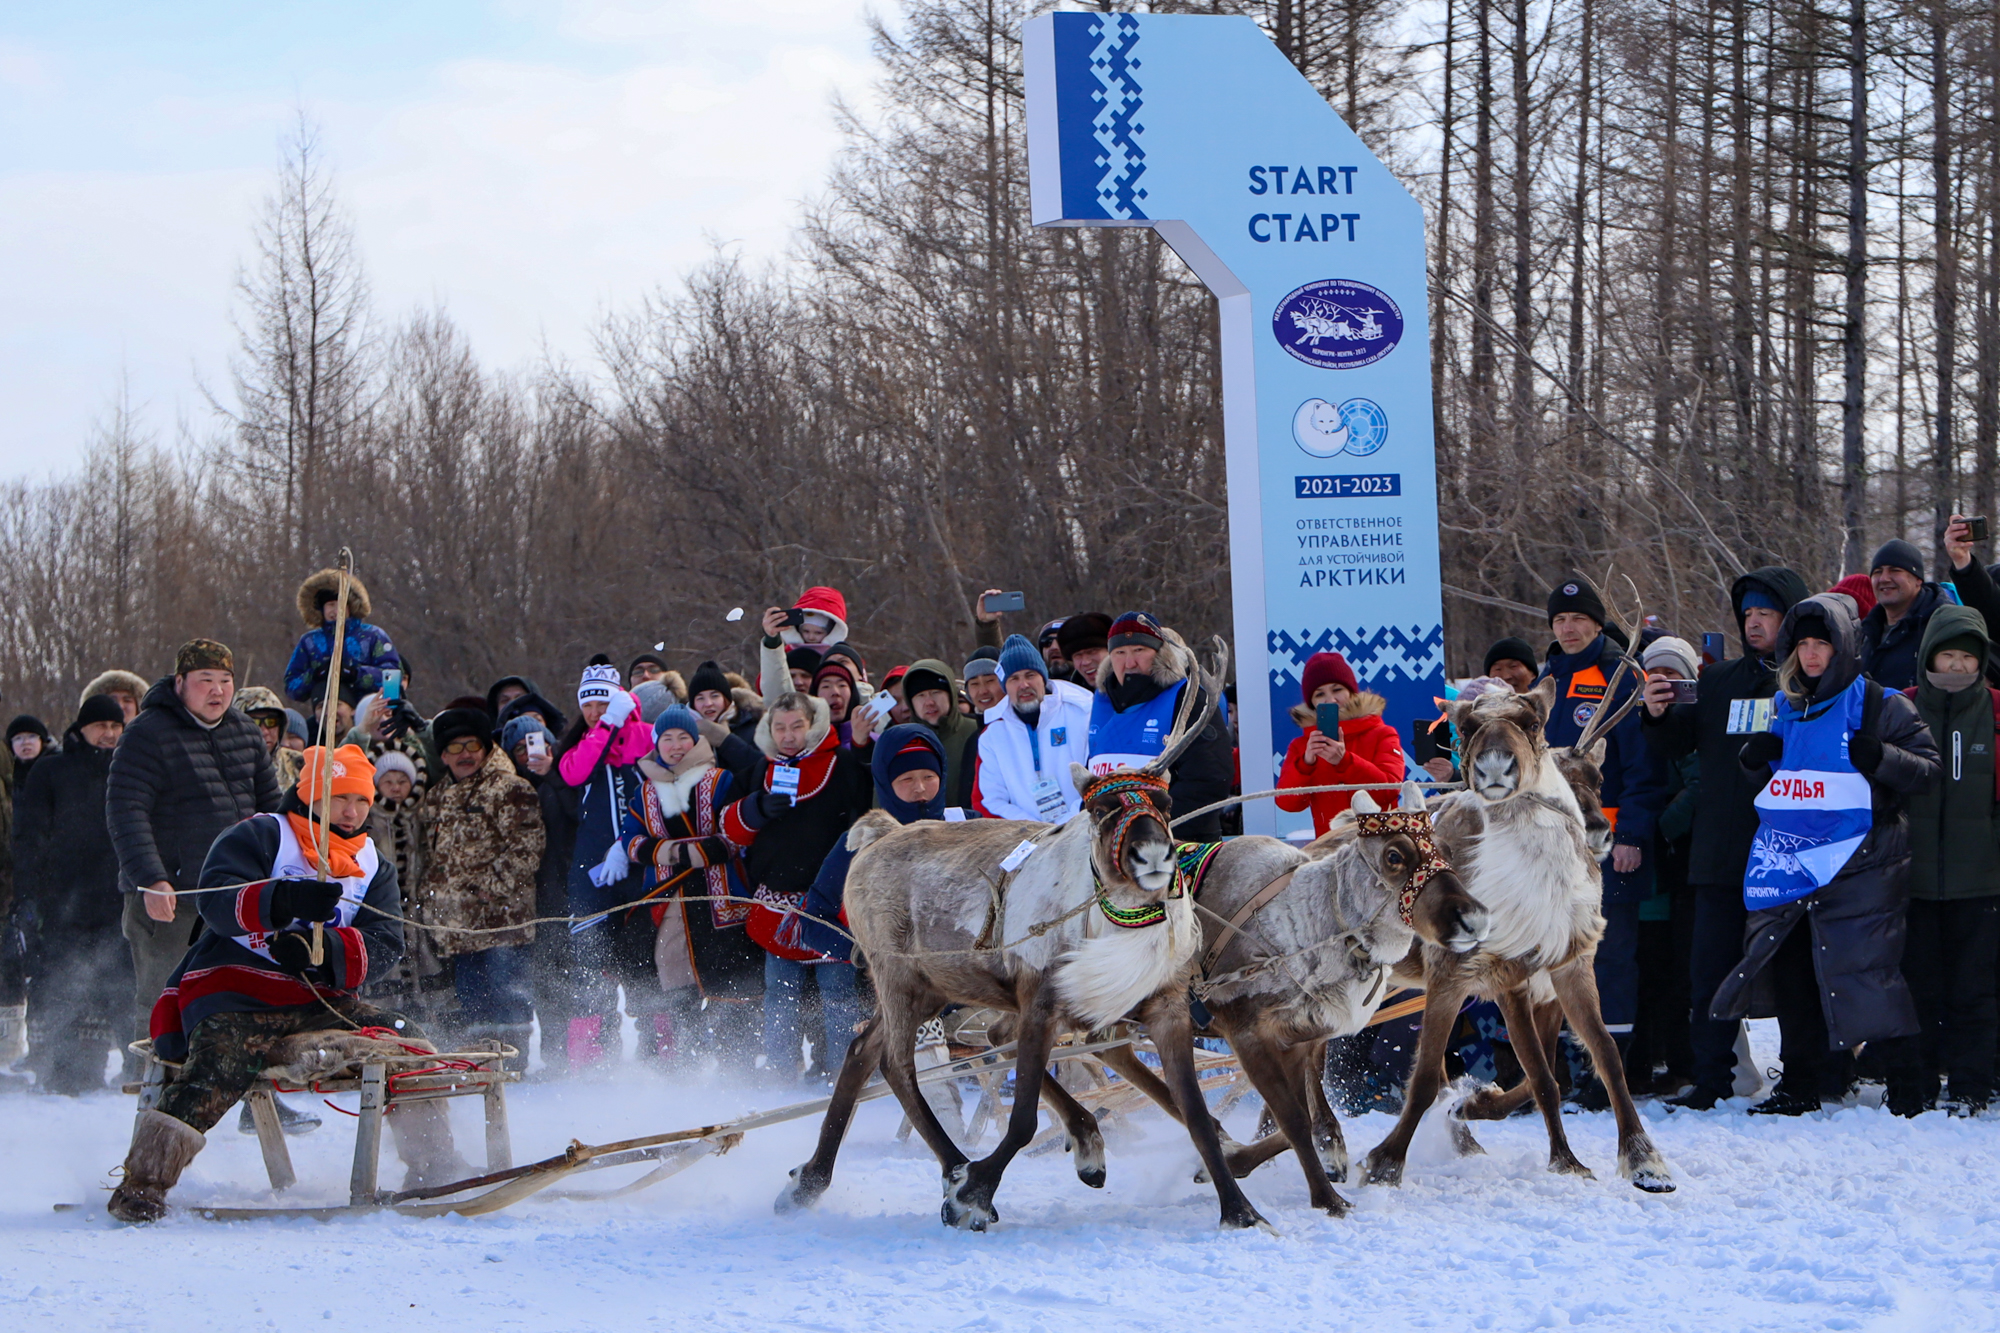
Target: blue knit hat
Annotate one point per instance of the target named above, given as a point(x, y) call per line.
point(519, 730)
point(677, 717)
point(1017, 654)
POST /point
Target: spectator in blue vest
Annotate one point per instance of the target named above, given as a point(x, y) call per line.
point(1139, 689)
point(1584, 658)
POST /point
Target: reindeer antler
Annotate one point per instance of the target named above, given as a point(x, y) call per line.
point(1603, 722)
point(1182, 734)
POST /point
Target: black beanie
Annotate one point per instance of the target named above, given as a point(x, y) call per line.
point(1510, 650)
point(708, 676)
point(1898, 554)
point(644, 657)
point(26, 725)
point(1574, 593)
point(1967, 642)
point(802, 659)
point(457, 723)
point(99, 708)
point(1812, 625)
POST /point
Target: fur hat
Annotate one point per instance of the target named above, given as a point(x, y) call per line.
point(1080, 633)
point(119, 682)
point(353, 775)
point(457, 723)
point(1327, 669)
point(102, 708)
point(708, 676)
point(600, 681)
point(327, 581)
point(1575, 593)
point(1017, 654)
point(1135, 629)
point(204, 655)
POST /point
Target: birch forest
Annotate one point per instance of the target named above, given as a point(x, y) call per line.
point(1714, 285)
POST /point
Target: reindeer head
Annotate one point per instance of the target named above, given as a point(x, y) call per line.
point(1130, 808)
point(1130, 844)
point(1501, 742)
point(1429, 896)
point(1583, 770)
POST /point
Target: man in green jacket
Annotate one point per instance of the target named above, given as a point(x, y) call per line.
point(933, 701)
point(1954, 921)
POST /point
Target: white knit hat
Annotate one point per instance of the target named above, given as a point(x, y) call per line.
point(1668, 651)
point(600, 681)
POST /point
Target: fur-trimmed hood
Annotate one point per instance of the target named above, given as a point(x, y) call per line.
point(1365, 704)
point(114, 682)
point(358, 605)
point(822, 723)
point(1172, 664)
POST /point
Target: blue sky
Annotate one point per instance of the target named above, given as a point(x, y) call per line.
point(529, 166)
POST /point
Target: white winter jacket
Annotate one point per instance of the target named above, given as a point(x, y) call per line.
point(1003, 785)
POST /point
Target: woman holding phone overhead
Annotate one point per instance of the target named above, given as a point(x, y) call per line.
point(1345, 741)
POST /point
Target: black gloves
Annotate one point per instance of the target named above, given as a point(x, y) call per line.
point(1865, 752)
point(292, 951)
point(303, 900)
point(1761, 750)
point(768, 805)
point(402, 719)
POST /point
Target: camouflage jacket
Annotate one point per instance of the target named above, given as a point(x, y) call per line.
point(482, 845)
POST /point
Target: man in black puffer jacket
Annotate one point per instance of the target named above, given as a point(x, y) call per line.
point(190, 766)
point(1725, 820)
point(79, 975)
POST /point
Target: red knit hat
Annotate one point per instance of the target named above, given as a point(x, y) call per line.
point(1327, 669)
point(1860, 589)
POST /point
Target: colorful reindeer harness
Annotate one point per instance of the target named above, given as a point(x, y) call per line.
point(1416, 826)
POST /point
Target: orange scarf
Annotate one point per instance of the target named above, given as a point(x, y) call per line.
point(344, 851)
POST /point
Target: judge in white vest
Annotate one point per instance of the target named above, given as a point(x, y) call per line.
point(1032, 736)
point(1139, 687)
point(249, 980)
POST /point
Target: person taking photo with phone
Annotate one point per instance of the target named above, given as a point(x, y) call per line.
point(1972, 580)
point(1345, 740)
point(1713, 729)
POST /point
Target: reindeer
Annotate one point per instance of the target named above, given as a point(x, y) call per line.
point(1517, 836)
point(1093, 925)
point(1297, 949)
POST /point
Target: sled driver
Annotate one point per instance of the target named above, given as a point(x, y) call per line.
point(248, 981)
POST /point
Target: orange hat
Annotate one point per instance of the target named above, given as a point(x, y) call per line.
point(353, 775)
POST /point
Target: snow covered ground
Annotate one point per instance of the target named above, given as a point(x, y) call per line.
point(1856, 1221)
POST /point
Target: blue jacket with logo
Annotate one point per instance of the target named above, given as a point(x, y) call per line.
point(1635, 779)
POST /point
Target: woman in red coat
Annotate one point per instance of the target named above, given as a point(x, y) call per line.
point(1367, 750)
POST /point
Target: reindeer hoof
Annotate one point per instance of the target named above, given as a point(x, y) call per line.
point(1335, 1165)
point(1201, 1175)
point(1332, 1204)
point(1569, 1166)
point(1088, 1159)
point(1649, 1174)
point(967, 1206)
point(1384, 1170)
point(801, 1193)
point(1244, 1219)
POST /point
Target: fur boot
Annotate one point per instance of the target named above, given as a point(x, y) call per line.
point(161, 1149)
point(422, 1131)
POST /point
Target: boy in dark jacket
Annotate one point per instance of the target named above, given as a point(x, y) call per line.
point(249, 981)
point(1954, 916)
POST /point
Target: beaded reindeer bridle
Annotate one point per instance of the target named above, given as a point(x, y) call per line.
point(1133, 789)
point(1416, 826)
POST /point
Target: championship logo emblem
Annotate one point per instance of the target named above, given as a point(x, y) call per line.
point(1358, 427)
point(1336, 324)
